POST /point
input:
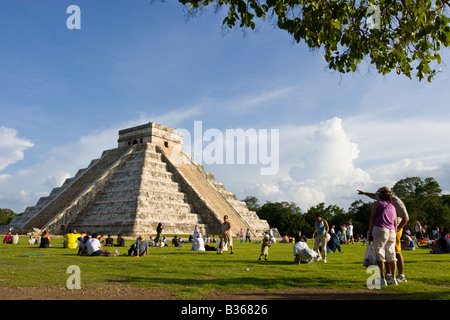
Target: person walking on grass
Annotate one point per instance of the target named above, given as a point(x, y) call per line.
point(320, 236)
point(225, 235)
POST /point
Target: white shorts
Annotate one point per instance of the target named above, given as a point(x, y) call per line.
point(384, 243)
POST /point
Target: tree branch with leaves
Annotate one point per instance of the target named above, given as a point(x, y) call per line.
point(407, 36)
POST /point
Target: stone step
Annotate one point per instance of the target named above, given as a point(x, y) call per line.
point(160, 217)
point(117, 185)
point(158, 195)
point(166, 206)
point(158, 185)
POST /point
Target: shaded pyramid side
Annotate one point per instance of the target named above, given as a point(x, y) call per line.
point(213, 203)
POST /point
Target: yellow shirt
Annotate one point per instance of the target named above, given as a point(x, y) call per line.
point(72, 240)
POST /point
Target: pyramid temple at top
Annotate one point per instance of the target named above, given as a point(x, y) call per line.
point(147, 179)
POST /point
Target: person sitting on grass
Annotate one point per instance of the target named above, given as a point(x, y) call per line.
point(94, 247)
point(408, 242)
point(82, 248)
point(334, 243)
point(151, 243)
point(442, 245)
point(15, 238)
point(32, 240)
point(176, 242)
point(45, 240)
point(109, 242)
point(71, 239)
point(140, 248)
point(8, 238)
point(120, 241)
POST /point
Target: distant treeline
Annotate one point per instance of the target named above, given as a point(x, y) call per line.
point(423, 199)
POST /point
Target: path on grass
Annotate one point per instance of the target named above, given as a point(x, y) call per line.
point(126, 292)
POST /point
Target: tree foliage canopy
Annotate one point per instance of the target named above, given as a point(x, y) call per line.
point(6, 216)
point(405, 36)
point(422, 197)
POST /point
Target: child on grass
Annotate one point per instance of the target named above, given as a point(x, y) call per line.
point(265, 247)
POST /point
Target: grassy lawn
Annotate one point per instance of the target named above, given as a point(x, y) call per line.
point(190, 274)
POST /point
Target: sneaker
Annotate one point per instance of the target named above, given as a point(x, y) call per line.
point(382, 282)
point(387, 276)
point(318, 257)
point(401, 278)
point(325, 260)
point(393, 281)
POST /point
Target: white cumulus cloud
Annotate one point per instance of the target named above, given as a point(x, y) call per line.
point(12, 147)
point(331, 158)
point(323, 169)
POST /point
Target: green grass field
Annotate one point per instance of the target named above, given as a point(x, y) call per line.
point(190, 274)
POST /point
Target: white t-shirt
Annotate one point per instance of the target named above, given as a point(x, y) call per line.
point(305, 253)
point(299, 246)
point(93, 245)
point(350, 230)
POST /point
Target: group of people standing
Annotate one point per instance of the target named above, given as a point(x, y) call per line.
point(345, 235)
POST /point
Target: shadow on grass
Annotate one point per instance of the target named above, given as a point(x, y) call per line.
point(251, 288)
point(211, 282)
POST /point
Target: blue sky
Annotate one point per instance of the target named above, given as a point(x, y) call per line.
point(64, 94)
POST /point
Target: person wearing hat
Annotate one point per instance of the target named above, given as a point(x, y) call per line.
point(139, 248)
point(402, 220)
point(382, 231)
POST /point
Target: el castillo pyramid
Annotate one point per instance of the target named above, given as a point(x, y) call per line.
point(147, 179)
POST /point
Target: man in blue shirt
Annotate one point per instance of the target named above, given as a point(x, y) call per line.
point(442, 245)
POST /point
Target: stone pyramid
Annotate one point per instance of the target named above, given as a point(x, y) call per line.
point(147, 179)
